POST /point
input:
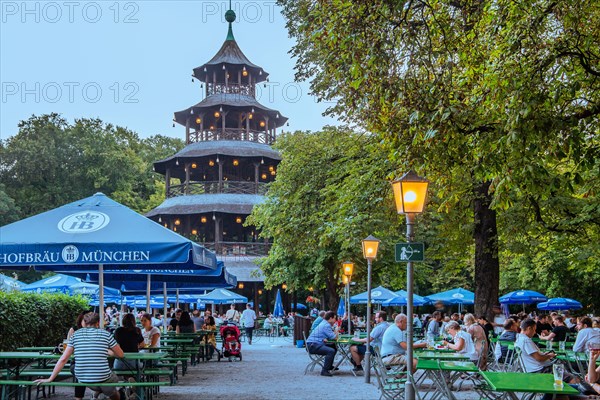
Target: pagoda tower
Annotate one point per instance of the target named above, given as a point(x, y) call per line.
point(224, 170)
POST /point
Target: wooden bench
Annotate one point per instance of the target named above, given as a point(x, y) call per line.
point(22, 389)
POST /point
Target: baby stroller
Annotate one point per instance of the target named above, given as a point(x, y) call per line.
point(232, 347)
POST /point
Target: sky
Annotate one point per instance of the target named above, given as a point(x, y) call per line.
point(130, 62)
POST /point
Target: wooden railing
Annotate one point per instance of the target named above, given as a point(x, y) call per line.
point(238, 249)
point(231, 88)
point(232, 134)
point(212, 187)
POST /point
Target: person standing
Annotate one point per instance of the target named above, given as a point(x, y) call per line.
point(248, 320)
point(232, 314)
point(91, 346)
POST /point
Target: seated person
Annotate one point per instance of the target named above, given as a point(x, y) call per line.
point(285, 326)
point(268, 325)
point(511, 329)
point(130, 338)
point(210, 326)
point(317, 321)
point(559, 332)
point(532, 359)
point(393, 343)
point(593, 375)
point(344, 326)
point(543, 327)
point(358, 351)
point(316, 342)
point(587, 334)
point(90, 346)
point(463, 343)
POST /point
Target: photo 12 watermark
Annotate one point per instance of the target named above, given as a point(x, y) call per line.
point(252, 12)
point(71, 92)
point(55, 12)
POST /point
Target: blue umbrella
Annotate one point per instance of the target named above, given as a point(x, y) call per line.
point(454, 296)
point(97, 231)
point(342, 307)
point(560, 303)
point(58, 283)
point(8, 284)
point(300, 306)
point(401, 300)
point(91, 289)
point(278, 311)
point(378, 296)
point(522, 297)
point(189, 281)
point(222, 296)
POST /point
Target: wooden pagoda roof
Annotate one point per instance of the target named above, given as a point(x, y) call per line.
point(207, 203)
point(237, 101)
point(234, 148)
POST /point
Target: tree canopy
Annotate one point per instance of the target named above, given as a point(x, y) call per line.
point(496, 102)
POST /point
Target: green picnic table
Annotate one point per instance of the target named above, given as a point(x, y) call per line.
point(23, 359)
point(440, 355)
point(519, 382)
point(443, 374)
point(42, 349)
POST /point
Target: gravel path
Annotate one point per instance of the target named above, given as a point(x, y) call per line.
point(268, 371)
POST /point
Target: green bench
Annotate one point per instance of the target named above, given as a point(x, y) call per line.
point(22, 389)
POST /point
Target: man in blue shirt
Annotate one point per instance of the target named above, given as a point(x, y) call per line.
point(433, 327)
point(358, 351)
point(317, 321)
point(316, 342)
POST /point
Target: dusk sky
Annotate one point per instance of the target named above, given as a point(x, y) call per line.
point(130, 62)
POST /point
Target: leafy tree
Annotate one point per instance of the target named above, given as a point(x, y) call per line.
point(496, 102)
point(51, 162)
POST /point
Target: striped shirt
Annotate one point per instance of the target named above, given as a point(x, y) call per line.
point(91, 354)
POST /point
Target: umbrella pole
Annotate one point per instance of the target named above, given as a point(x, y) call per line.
point(148, 293)
point(177, 298)
point(164, 323)
point(101, 289)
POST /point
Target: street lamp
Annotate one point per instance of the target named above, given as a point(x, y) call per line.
point(370, 245)
point(410, 193)
point(348, 268)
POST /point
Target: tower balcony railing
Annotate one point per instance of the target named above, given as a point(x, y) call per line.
point(230, 88)
point(238, 249)
point(213, 187)
point(232, 134)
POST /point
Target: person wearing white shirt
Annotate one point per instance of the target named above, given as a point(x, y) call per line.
point(248, 319)
point(586, 335)
point(463, 343)
point(533, 360)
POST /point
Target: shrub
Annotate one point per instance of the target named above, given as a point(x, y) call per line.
point(32, 319)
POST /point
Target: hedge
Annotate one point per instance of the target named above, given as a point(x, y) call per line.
point(32, 319)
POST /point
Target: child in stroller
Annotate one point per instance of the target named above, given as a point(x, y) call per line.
point(232, 347)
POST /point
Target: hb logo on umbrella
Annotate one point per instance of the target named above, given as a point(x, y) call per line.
point(83, 222)
point(70, 254)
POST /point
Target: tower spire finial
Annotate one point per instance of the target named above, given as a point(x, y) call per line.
point(230, 17)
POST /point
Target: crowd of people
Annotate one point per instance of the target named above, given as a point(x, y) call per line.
point(466, 334)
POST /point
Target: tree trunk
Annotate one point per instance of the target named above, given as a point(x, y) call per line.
point(487, 265)
point(332, 286)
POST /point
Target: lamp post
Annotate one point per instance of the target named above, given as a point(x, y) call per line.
point(370, 245)
point(348, 268)
point(410, 192)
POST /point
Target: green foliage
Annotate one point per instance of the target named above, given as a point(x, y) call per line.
point(467, 93)
point(50, 163)
point(31, 319)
